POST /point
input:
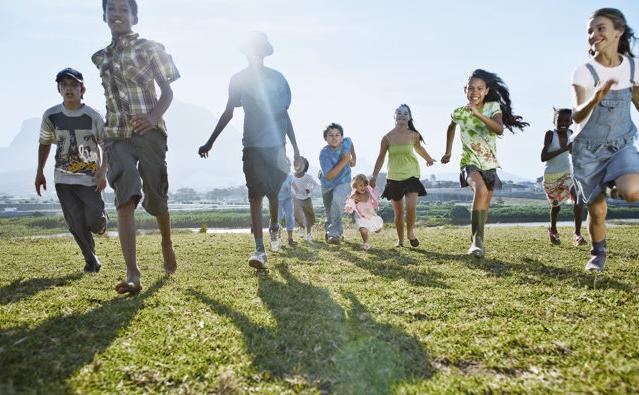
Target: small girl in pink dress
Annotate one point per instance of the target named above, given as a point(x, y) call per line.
point(363, 202)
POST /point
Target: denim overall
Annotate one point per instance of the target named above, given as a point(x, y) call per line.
point(604, 149)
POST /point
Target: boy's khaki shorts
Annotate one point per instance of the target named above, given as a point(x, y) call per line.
point(138, 165)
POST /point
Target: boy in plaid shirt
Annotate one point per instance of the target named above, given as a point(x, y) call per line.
point(135, 134)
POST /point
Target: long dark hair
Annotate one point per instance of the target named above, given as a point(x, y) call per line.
point(411, 125)
point(619, 22)
point(498, 91)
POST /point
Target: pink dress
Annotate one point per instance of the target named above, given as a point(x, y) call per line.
point(365, 212)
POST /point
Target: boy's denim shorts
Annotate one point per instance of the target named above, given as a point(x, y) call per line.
point(597, 164)
point(136, 166)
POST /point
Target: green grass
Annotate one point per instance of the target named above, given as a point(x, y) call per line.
point(325, 319)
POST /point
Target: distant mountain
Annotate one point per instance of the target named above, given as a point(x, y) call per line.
point(189, 126)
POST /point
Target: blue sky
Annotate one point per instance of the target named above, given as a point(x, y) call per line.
point(349, 61)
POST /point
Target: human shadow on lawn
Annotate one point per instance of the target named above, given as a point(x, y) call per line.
point(18, 289)
point(394, 265)
point(41, 359)
point(541, 272)
point(334, 349)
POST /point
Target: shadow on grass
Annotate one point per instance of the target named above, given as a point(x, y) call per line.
point(41, 359)
point(333, 349)
point(18, 289)
point(394, 265)
point(532, 270)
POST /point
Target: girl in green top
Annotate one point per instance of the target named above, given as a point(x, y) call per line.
point(488, 111)
point(402, 180)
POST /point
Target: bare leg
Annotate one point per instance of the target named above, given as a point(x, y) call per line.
point(273, 207)
point(597, 212)
point(411, 214)
point(398, 209)
point(164, 223)
point(256, 217)
point(628, 187)
point(126, 233)
point(364, 233)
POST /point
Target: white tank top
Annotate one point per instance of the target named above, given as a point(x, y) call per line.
point(561, 162)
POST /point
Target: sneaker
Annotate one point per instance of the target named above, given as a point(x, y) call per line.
point(309, 237)
point(366, 246)
point(302, 232)
point(578, 240)
point(476, 249)
point(399, 243)
point(292, 243)
point(596, 263)
point(554, 237)
point(93, 265)
point(275, 239)
point(414, 242)
point(258, 260)
point(333, 240)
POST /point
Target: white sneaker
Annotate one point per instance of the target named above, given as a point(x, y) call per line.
point(275, 240)
point(302, 232)
point(309, 237)
point(258, 260)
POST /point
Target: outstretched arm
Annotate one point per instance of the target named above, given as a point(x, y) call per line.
point(224, 120)
point(43, 154)
point(421, 151)
point(450, 137)
point(383, 147)
point(353, 157)
point(291, 136)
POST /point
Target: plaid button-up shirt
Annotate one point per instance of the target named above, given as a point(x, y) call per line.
point(129, 68)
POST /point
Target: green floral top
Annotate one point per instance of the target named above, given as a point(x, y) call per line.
point(479, 144)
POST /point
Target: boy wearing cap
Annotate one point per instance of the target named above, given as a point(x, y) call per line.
point(79, 174)
point(265, 96)
point(135, 134)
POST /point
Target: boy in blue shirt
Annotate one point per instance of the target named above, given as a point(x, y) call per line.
point(336, 160)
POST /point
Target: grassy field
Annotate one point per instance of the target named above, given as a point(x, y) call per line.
point(324, 319)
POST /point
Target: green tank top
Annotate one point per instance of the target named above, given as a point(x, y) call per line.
point(402, 162)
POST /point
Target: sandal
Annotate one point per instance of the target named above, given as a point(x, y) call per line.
point(554, 237)
point(578, 240)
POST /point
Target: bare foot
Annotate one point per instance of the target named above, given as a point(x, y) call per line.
point(128, 287)
point(170, 262)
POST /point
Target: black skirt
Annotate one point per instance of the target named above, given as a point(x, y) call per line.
point(396, 190)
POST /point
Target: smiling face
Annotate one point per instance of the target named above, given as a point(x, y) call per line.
point(360, 187)
point(402, 114)
point(563, 120)
point(602, 35)
point(71, 92)
point(476, 91)
point(334, 137)
point(119, 17)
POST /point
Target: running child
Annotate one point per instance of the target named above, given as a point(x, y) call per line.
point(488, 112)
point(402, 180)
point(303, 186)
point(285, 210)
point(363, 203)
point(80, 171)
point(603, 150)
point(558, 183)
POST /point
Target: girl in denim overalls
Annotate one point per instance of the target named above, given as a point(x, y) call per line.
point(603, 152)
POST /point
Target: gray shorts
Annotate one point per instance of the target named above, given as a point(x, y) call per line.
point(138, 165)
